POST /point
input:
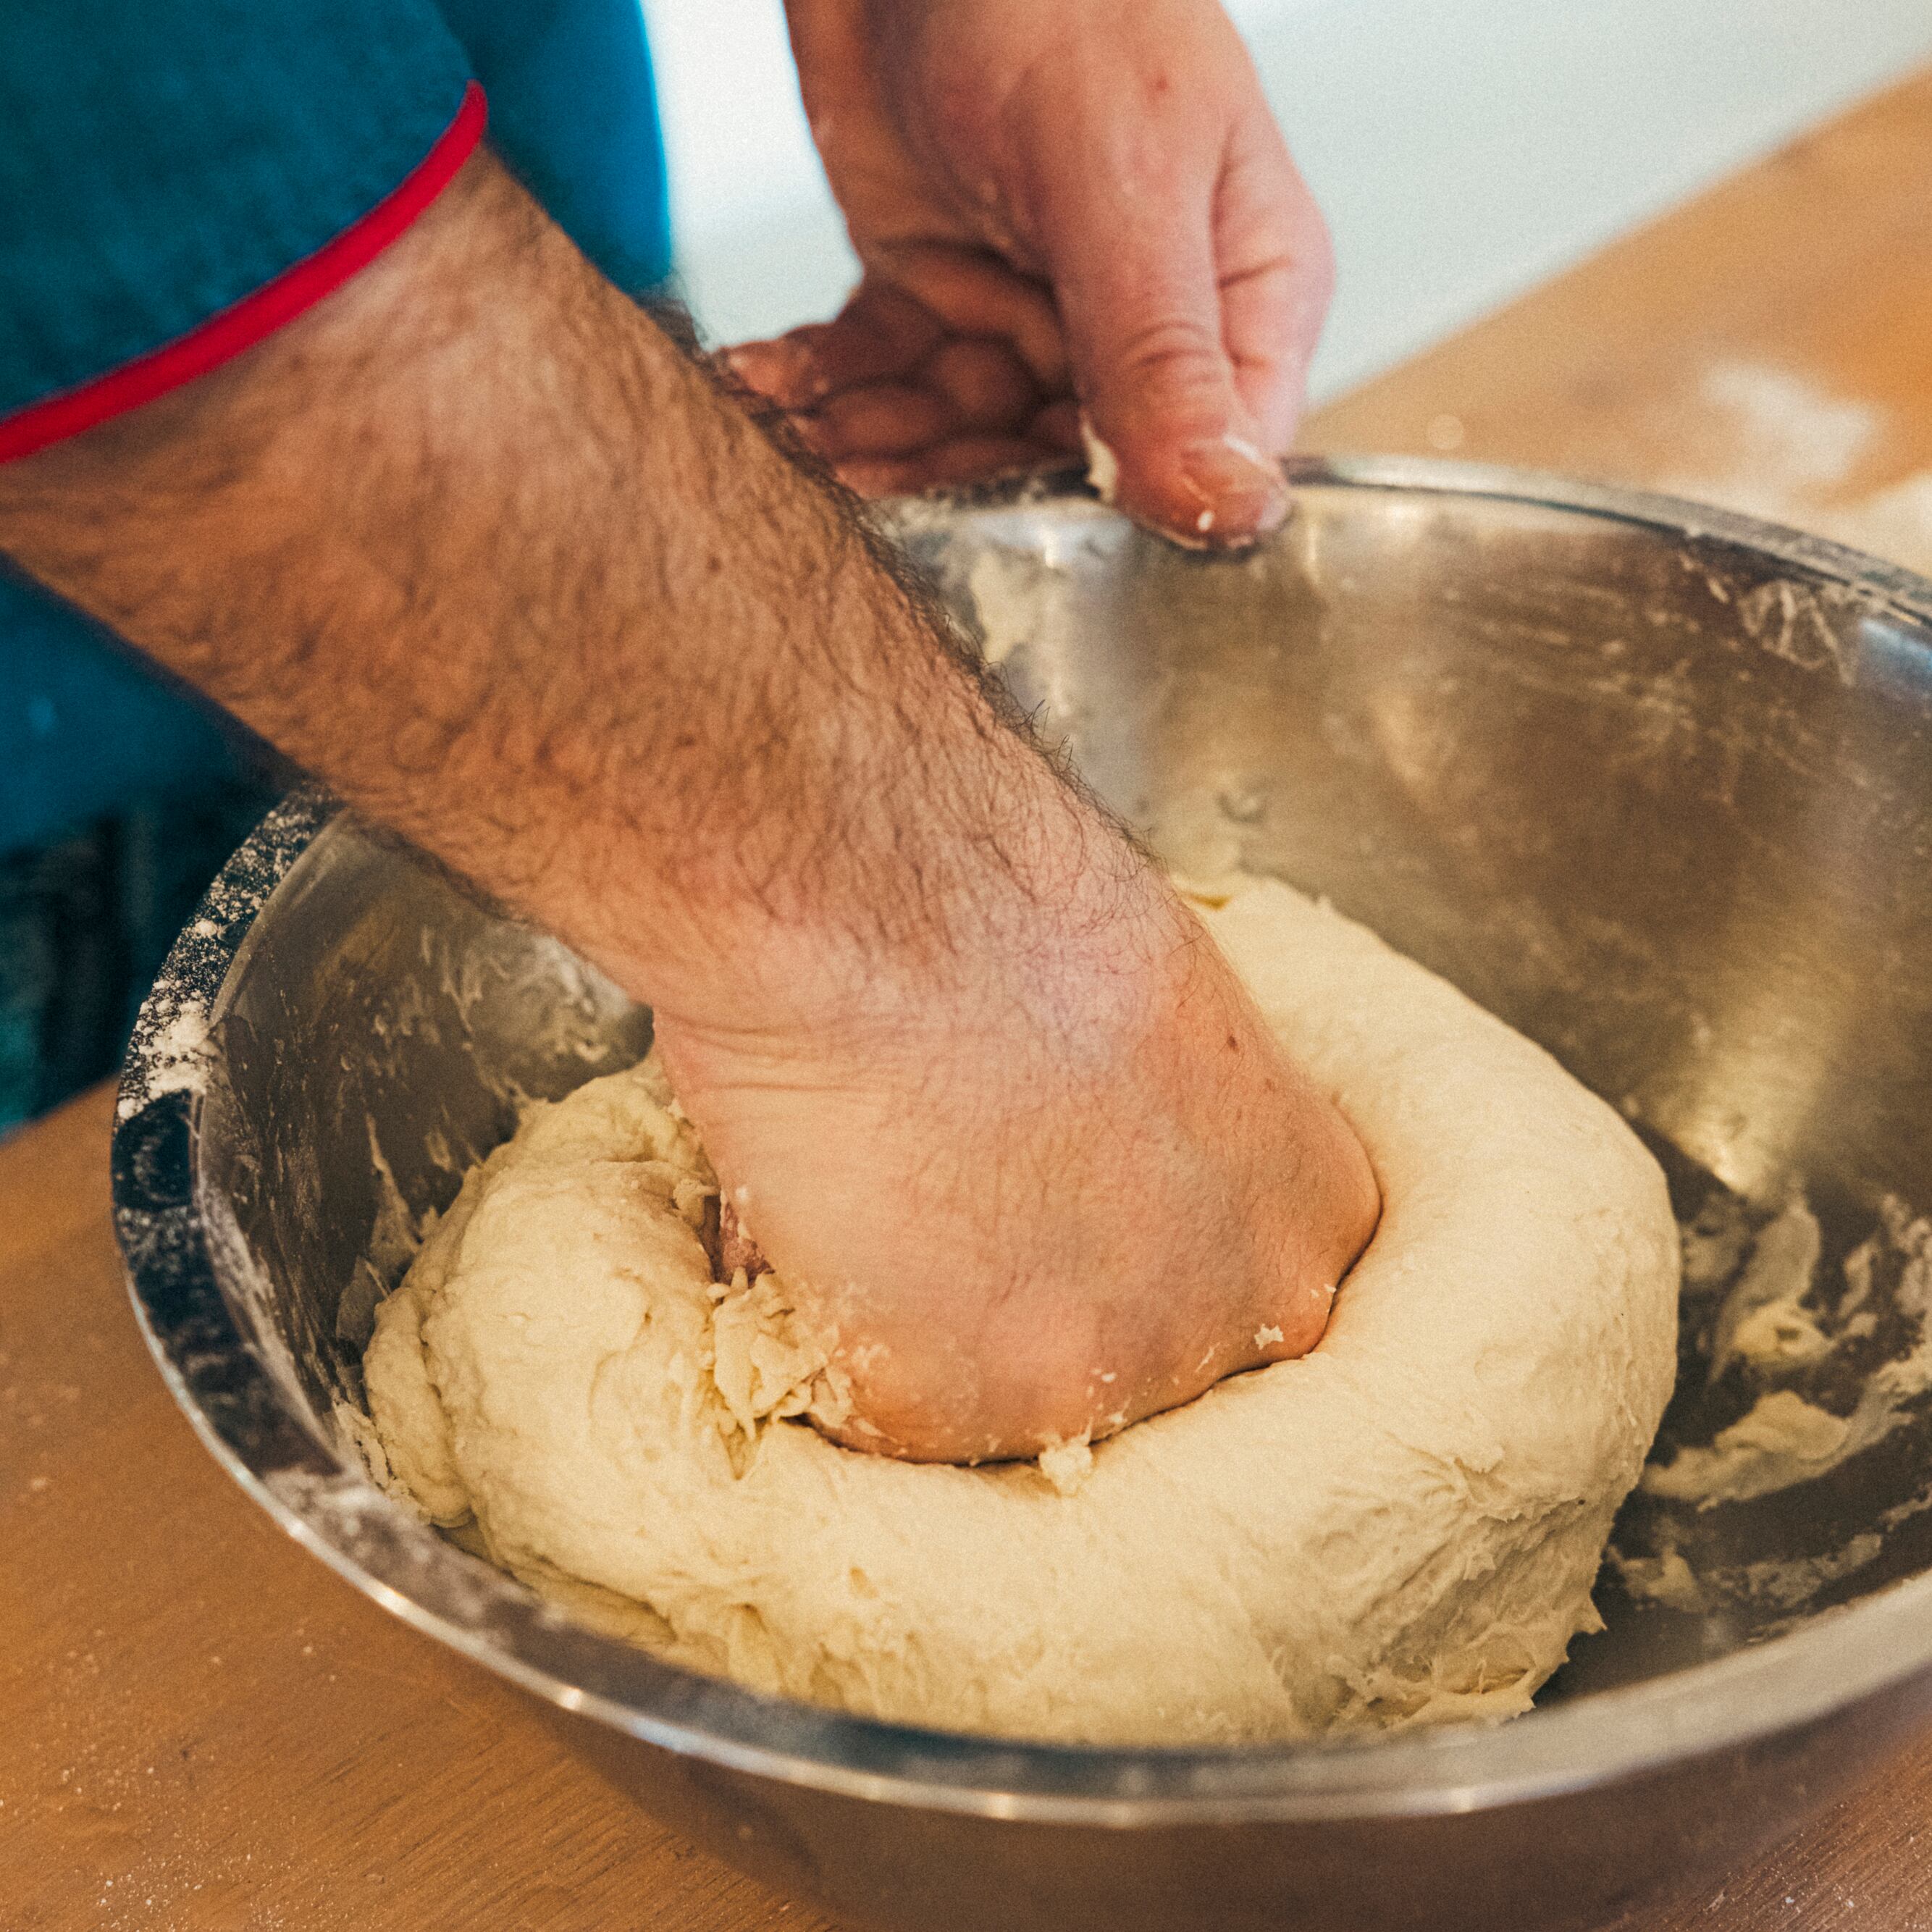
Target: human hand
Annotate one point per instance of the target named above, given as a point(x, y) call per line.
point(1083, 206)
point(1066, 1187)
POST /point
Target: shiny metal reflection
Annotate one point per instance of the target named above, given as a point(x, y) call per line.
point(1651, 782)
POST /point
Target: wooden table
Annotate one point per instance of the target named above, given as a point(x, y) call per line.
point(201, 1728)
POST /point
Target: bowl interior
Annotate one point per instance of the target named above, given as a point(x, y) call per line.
point(1655, 795)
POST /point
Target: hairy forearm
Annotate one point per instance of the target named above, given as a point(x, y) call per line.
point(477, 543)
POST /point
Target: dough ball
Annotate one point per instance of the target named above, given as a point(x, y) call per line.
point(1403, 1526)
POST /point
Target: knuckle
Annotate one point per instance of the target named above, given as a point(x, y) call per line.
point(1173, 353)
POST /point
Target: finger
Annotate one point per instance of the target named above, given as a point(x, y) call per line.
point(1161, 394)
point(976, 294)
point(1057, 427)
point(968, 459)
point(1130, 236)
point(783, 370)
point(884, 419)
point(884, 475)
point(986, 382)
point(882, 334)
point(973, 459)
point(1277, 276)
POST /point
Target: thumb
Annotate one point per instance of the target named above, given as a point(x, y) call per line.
point(1134, 273)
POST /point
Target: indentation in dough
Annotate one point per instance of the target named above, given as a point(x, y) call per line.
point(1402, 1526)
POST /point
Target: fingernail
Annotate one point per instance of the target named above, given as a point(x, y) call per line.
point(1238, 492)
point(793, 376)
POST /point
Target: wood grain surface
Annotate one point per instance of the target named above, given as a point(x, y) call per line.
point(1769, 345)
point(200, 1727)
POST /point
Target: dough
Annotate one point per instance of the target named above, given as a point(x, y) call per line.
point(1405, 1525)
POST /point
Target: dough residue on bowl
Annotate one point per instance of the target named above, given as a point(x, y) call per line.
point(1402, 1526)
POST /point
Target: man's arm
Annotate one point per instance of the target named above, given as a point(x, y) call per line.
point(477, 518)
point(475, 542)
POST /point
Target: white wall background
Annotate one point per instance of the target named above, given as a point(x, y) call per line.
point(1464, 150)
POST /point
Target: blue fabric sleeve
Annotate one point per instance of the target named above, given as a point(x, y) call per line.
point(573, 111)
point(85, 725)
point(160, 159)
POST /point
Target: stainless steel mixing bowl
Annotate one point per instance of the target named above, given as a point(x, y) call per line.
point(1653, 783)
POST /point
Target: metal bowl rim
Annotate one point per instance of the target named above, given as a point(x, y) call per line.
point(1783, 1685)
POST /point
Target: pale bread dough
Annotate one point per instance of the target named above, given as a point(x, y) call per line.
point(1405, 1525)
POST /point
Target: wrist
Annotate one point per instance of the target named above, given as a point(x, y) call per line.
point(1056, 986)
